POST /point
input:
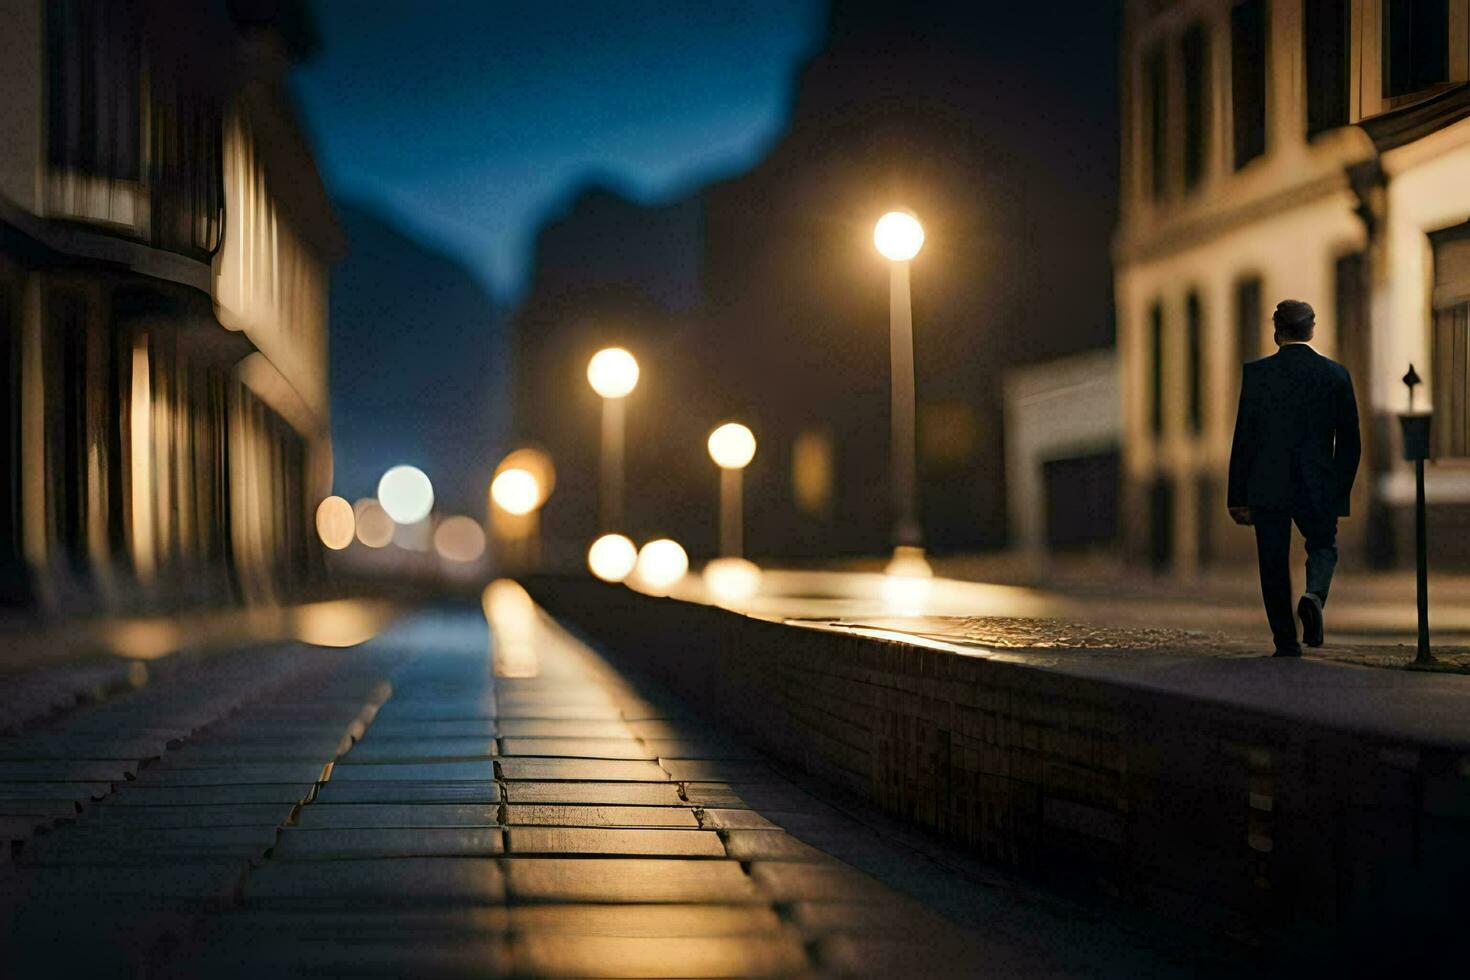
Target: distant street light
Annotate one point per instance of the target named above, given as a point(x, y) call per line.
point(732, 447)
point(406, 494)
point(898, 236)
point(336, 524)
point(613, 374)
point(612, 557)
point(661, 565)
point(518, 490)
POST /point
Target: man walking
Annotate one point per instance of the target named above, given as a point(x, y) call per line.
point(1294, 458)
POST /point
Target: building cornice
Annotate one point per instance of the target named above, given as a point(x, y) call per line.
point(80, 243)
point(1174, 236)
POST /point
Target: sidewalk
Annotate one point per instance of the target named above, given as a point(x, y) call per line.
point(418, 806)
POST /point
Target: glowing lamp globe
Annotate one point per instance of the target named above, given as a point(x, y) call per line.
point(336, 524)
point(732, 446)
point(899, 236)
point(516, 491)
point(612, 557)
point(612, 372)
point(661, 564)
point(406, 494)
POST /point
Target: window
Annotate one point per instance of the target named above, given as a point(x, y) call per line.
point(1156, 369)
point(1327, 43)
point(812, 469)
point(1248, 318)
point(1416, 45)
point(1248, 79)
point(1450, 342)
point(1156, 86)
point(1196, 102)
point(94, 88)
point(1195, 341)
point(1349, 288)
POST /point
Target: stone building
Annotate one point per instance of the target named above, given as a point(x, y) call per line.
point(1307, 149)
point(164, 245)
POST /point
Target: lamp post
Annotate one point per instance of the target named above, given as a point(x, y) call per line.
point(613, 374)
point(898, 236)
point(732, 447)
point(1416, 448)
point(521, 485)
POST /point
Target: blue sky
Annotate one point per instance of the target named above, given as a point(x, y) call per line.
point(468, 122)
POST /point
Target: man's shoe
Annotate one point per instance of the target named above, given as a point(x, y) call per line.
point(1287, 652)
point(1309, 610)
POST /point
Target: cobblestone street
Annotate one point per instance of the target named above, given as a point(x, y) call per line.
point(399, 808)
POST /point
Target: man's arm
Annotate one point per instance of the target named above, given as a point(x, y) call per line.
point(1242, 449)
point(1348, 444)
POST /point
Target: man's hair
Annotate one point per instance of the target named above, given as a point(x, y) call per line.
point(1294, 319)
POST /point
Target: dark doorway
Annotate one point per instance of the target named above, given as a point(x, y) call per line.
point(1081, 501)
point(14, 584)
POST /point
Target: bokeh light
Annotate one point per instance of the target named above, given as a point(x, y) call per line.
point(907, 581)
point(612, 372)
point(534, 461)
point(335, 523)
point(511, 612)
point(662, 563)
point(374, 526)
point(612, 557)
point(516, 491)
point(459, 538)
point(732, 446)
point(732, 579)
point(898, 235)
point(406, 494)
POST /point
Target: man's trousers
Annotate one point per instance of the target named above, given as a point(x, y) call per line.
point(1273, 553)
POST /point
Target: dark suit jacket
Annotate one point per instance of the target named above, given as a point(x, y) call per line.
point(1296, 434)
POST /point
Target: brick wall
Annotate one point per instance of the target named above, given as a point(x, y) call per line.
point(1257, 827)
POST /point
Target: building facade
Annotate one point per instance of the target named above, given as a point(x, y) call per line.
point(164, 245)
point(1306, 149)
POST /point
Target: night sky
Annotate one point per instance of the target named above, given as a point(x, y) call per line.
point(466, 122)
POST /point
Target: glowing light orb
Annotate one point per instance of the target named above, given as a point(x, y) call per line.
point(534, 461)
point(459, 538)
point(732, 446)
point(612, 372)
point(661, 564)
point(516, 491)
point(374, 526)
point(898, 235)
point(612, 557)
point(335, 523)
point(732, 579)
point(406, 494)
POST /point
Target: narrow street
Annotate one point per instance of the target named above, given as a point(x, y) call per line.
point(420, 806)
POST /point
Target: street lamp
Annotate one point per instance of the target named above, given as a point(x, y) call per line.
point(732, 447)
point(898, 236)
point(522, 482)
point(730, 577)
point(613, 374)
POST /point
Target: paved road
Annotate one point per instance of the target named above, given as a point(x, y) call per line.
point(418, 806)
